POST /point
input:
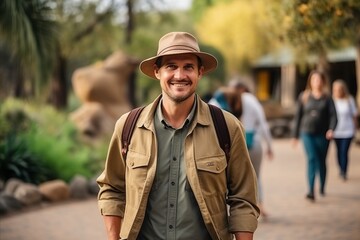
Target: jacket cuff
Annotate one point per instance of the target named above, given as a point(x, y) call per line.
point(111, 207)
point(243, 223)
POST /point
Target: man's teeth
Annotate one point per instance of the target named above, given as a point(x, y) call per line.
point(180, 84)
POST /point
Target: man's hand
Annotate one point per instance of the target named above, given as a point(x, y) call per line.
point(244, 235)
point(112, 225)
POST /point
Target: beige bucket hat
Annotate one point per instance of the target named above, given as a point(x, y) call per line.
point(174, 43)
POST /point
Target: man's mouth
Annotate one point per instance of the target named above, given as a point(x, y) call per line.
point(180, 84)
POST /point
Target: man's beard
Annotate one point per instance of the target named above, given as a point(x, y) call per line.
point(180, 99)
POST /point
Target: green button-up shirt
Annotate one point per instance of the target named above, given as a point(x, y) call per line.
point(172, 211)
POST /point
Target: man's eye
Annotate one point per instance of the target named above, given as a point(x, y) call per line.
point(189, 67)
point(171, 66)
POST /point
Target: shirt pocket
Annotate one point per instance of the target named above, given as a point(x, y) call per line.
point(211, 171)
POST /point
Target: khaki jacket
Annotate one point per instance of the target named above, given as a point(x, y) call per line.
point(125, 185)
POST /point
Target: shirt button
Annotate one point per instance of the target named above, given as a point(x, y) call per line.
point(171, 226)
point(132, 164)
point(173, 183)
point(174, 158)
point(171, 205)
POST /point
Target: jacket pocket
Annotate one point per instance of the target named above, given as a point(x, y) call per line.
point(212, 164)
point(137, 169)
point(136, 160)
point(211, 171)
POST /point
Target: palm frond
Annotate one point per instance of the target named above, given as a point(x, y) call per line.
point(29, 28)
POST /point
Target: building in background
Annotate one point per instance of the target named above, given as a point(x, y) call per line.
point(279, 81)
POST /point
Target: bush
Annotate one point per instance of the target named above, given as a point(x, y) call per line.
point(16, 161)
point(44, 138)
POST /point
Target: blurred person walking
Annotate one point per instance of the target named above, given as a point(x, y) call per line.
point(256, 130)
point(347, 123)
point(315, 121)
point(227, 99)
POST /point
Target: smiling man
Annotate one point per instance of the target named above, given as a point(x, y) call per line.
point(176, 182)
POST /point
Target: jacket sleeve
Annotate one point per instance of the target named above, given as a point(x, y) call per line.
point(111, 197)
point(332, 114)
point(242, 183)
point(298, 116)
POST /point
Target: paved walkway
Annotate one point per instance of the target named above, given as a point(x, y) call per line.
point(336, 216)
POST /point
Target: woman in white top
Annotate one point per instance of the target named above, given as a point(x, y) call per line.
point(345, 129)
point(256, 129)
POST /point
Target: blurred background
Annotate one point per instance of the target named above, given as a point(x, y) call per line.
point(69, 69)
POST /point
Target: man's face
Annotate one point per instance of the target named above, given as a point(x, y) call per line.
point(179, 76)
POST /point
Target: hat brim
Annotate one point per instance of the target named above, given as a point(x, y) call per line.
point(208, 61)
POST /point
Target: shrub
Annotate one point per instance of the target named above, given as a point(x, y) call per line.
point(60, 154)
point(16, 161)
point(44, 138)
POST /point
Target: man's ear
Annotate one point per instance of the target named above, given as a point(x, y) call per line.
point(201, 71)
point(156, 72)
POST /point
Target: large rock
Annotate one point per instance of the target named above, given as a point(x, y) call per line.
point(9, 204)
point(11, 185)
point(103, 89)
point(93, 121)
point(2, 185)
point(93, 186)
point(27, 194)
point(79, 187)
point(55, 190)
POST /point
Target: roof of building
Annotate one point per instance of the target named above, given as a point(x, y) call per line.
point(286, 56)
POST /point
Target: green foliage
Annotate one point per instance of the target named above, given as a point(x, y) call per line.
point(39, 137)
point(60, 154)
point(320, 25)
point(16, 161)
point(28, 28)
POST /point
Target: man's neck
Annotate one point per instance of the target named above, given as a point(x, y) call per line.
point(176, 113)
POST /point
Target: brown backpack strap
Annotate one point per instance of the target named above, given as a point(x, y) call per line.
point(221, 129)
point(128, 129)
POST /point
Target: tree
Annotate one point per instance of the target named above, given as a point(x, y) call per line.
point(238, 31)
point(317, 26)
point(29, 30)
point(87, 18)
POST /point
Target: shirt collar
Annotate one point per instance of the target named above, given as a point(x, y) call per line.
point(160, 117)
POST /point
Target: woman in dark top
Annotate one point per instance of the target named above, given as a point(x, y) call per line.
point(315, 121)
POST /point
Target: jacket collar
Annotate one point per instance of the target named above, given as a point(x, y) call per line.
point(202, 114)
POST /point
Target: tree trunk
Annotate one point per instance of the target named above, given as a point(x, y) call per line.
point(324, 66)
point(19, 81)
point(59, 90)
point(357, 67)
point(128, 39)
point(130, 22)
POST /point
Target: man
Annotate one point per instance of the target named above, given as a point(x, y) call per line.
point(176, 182)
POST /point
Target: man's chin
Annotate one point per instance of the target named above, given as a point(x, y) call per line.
point(181, 98)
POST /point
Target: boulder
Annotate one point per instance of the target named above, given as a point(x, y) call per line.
point(93, 186)
point(55, 190)
point(103, 90)
point(28, 194)
point(79, 187)
point(11, 186)
point(9, 204)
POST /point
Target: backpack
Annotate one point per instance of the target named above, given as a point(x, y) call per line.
point(217, 116)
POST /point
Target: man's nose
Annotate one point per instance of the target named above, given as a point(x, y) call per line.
point(179, 73)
